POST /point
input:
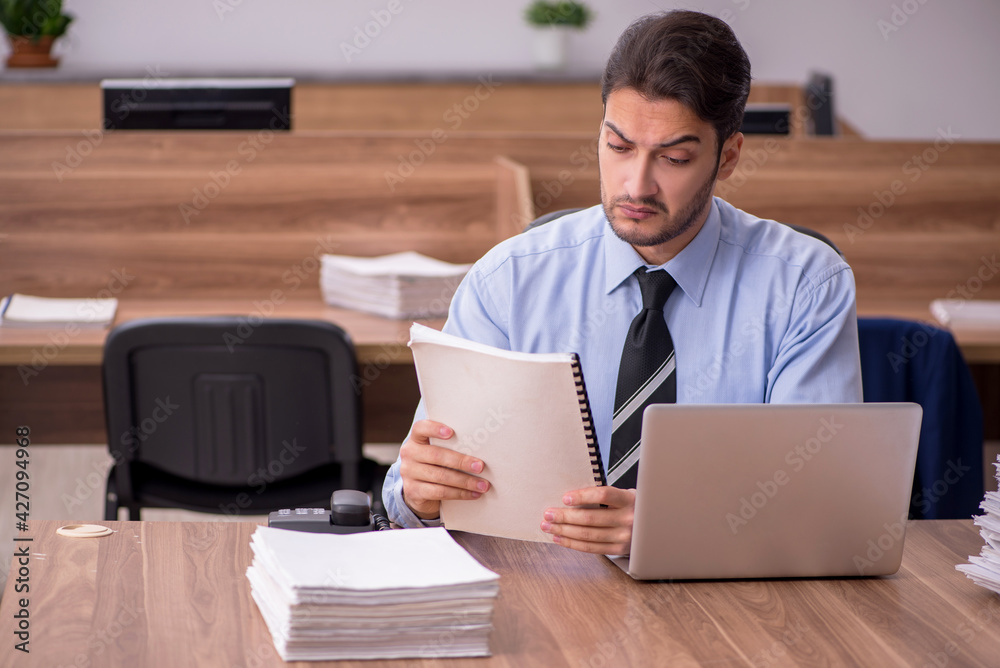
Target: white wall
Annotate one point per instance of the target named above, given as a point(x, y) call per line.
point(937, 70)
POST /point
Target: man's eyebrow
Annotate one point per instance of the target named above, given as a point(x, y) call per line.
point(680, 140)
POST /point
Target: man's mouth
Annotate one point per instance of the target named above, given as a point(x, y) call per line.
point(637, 212)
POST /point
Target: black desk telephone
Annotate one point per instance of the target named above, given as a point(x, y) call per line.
point(350, 512)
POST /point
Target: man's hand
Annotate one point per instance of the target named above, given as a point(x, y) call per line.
point(431, 473)
point(599, 530)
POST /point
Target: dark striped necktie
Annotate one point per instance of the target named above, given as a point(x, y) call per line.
point(645, 376)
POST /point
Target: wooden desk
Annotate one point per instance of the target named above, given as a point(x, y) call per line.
point(175, 594)
point(980, 345)
point(50, 379)
point(63, 402)
point(377, 340)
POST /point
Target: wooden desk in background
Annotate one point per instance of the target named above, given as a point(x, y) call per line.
point(175, 594)
point(51, 380)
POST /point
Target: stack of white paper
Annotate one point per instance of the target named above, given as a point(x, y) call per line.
point(24, 311)
point(401, 285)
point(966, 312)
point(375, 595)
point(985, 569)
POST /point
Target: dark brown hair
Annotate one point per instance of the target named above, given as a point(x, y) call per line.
point(686, 56)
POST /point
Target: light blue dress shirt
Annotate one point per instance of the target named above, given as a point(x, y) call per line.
point(761, 314)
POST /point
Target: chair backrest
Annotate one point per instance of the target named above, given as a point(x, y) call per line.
point(903, 360)
point(552, 215)
point(219, 400)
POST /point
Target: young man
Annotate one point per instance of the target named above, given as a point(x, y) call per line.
point(754, 311)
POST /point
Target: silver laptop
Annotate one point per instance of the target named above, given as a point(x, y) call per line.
point(772, 491)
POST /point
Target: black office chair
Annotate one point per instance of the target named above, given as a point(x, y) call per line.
point(222, 416)
point(552, 215)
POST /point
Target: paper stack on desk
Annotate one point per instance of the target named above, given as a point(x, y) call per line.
point(984, 570)
point(967, 312)
point(401, 285)
point(409, 593)
point(25, 311)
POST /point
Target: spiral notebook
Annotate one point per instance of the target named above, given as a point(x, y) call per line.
point(526, 415)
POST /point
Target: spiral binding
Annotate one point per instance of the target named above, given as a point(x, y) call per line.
point(588, 422)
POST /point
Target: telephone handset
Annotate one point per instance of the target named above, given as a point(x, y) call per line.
point(350, 512)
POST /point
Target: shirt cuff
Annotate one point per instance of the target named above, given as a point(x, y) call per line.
point(404, 516)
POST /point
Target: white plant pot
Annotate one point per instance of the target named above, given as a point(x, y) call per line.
point(550, 47)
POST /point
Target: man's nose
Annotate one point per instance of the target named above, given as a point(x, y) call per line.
point(640, 183)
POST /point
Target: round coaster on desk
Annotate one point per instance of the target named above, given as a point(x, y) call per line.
point(84, 531)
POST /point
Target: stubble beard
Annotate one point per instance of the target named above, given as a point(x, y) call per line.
point(676, 225)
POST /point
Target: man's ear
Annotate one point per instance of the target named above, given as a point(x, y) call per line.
point(730, 156)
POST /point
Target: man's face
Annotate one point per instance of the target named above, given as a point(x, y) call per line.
point(659, 164)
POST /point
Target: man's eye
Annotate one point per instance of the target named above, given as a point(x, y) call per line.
point(676, 161)
point(616, 148)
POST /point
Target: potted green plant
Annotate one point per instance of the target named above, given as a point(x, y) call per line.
point(32, 26)
point(552, 22)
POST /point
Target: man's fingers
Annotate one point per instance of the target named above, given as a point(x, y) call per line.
point(418, 447)
point(582, 525)
point(431, 473)
point(427, 429)
point(438, 456)
point(446, 477)
point(593, 548)
point(434, 492)
point(612, 497)
point(598, 539)
point(597, 517)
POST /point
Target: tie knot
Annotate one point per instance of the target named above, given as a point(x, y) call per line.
point(656, 286)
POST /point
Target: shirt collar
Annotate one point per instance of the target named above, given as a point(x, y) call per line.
point(690, 267)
